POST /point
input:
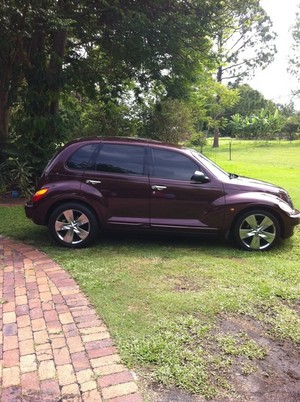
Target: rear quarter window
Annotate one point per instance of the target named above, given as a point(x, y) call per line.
point(81, 158)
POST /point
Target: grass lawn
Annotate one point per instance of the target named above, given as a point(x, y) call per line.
point(165, 299)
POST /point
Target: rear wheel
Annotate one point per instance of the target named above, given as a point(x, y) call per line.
point(73, 225)
point(257, 230)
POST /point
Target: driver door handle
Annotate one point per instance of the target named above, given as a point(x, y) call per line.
point(93, 182)
point(158, 188)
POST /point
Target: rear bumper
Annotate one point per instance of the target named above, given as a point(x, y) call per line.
point(28, 209)
point(35, 212)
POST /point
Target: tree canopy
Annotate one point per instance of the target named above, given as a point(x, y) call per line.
point(103, 58)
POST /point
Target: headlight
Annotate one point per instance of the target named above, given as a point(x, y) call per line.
point(285, 207)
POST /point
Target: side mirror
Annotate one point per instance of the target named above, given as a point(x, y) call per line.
point(200, 177)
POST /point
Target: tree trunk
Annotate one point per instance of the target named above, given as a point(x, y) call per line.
point(4, 118)
point(4, 115)
point(55, 68)
point(216, 138)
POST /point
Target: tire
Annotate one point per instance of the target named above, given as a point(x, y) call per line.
point(257, 230)
point(73, 225)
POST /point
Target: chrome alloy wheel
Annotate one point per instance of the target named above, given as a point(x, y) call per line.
point(257, 231)
point(72, 226)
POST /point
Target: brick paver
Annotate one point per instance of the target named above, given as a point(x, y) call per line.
point(53, 345)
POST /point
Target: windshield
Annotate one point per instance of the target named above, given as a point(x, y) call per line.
point(209, 164)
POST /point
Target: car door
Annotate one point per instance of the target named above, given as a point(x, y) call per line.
point(120, 181)
point(177, 202)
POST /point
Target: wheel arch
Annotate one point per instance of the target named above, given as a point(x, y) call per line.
point(61, 202)
point(264, 208)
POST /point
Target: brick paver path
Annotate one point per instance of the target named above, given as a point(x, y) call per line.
point(53, 346)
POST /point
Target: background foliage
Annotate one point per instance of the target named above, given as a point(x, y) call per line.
point(170, 70)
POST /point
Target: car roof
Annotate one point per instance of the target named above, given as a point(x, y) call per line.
point(127, 140)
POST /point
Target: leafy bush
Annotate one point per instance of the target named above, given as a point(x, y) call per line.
point(16, 175)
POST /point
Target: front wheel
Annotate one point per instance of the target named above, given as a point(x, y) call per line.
point(257, 230)
point(73, 225)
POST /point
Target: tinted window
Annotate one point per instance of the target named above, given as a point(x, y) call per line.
point(172, 165)
point(115, 158)
point(80, 158)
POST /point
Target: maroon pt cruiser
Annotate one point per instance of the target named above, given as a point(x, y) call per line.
point(113, 183)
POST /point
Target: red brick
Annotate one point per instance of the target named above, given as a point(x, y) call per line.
point(127, 398)
point(26, 347)
point(10, 329)
point(54, 327)
point(75, 344)
point(98, 344)
point(101, 352)
point(41, 337)
point(10, 343)
point(114, 379)
point(25, 333)
point(38, 324)
point(50, 390)
point(10, 394)
point(66, 375)
point(35, 303)
point(46, 296)
point(30, 381)
point(9, 306)
point(20, 291)
point(50, 315)
point(36, 313)
point(86, 318)
point(31, 286)
point(44, 354)
point(9, 317)
point(11, 358)
point(33, 294)
point(48, 306)
point(22, 310)
point(80, 361)
point(61, 356)
point(10, 376)
point(59, 342)
point(23, 321)
point(70, 330)
point(119, 390)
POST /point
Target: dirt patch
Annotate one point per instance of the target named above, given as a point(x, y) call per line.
point(275, 378)
point(6, 199)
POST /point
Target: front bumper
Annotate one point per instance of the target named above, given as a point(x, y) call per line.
point(293, 220)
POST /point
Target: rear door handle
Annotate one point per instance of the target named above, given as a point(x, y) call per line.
point(93, 182)
point(158, 188)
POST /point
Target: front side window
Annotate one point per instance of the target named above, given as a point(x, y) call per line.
point(81, 157)
point(119, 158)
point(172, 165)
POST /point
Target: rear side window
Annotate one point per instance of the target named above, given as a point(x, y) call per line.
point(119, 158)
point(81, 157)
point(172, 165)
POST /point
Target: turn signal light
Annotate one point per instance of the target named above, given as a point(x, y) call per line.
point(39, 194)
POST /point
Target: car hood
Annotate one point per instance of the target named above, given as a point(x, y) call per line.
point(240, 183)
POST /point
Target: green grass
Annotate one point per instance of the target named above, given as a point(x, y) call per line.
point(275, 162)
point(164, 298)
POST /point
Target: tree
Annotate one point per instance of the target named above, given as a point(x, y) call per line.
point(292, 126)
point(294, 60)
point(260, 126)
point(250, 102)
point(95, 47)
point(210, 114)
point(244, 42)
point(171, 121)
